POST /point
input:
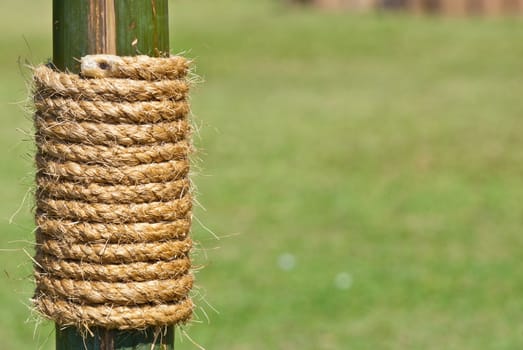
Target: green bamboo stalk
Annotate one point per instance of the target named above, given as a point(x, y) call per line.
point(122, 27)
point(141, 28)
point(104, 339)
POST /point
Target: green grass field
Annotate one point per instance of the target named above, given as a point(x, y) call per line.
point(364, 172)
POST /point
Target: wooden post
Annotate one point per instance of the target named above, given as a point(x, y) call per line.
point(122, 27)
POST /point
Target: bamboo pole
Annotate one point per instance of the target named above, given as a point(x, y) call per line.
point(122, 27)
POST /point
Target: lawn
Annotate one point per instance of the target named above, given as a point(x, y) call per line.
point(364, 173)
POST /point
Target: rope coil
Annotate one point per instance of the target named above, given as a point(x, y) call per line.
point(113, 199)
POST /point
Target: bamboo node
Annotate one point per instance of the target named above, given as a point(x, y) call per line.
point(113, 198)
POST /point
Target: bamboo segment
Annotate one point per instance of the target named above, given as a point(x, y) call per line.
point(69, 339)
point(142, 27)
point(124, 27)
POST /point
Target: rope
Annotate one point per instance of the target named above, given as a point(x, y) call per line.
point(113, 198)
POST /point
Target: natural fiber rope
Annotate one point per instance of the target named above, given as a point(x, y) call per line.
point(136, 272)
point(107, 112)
point(115, 253)
point(120, 317)
point(86, 232)
point(116, 213)
point(113, 155)
point(111, 134)
point(124, 175)
point(51, 84)
point(113, 199)
point(110, 194)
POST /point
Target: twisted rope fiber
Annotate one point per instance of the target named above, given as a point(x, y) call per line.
point(100, 111)
point(113, 199)
point(74, 232)
point(115, 253)
point(110, 134)
point(124, 175)
point(113, 155)
point(110, 194)
point(117, 213)
point(137, 272)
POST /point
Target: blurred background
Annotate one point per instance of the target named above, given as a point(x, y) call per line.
point(363, 169)
point(445, 7)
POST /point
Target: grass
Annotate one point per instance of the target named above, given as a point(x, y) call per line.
point(382, 150)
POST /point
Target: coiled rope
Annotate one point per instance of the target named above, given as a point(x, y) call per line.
point(113, 199)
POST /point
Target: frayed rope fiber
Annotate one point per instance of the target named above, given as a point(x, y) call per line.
point(113, 198)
